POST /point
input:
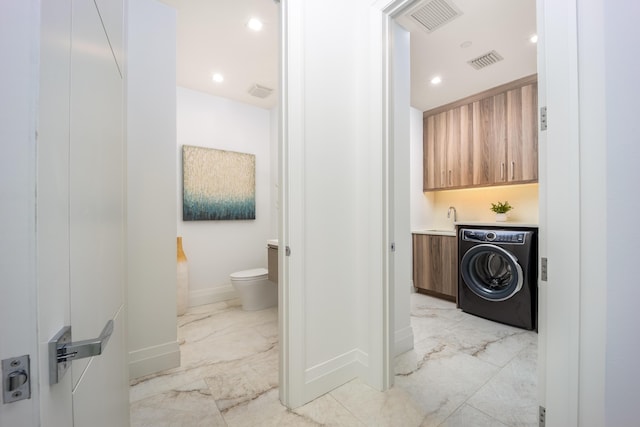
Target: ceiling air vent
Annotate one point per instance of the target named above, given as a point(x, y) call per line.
point(435, 13)
point(260, 91)
point(485, 60)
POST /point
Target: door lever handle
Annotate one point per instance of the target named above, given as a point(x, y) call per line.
point(62, 351)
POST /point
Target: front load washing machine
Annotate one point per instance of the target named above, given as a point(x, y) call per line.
point(498, 274)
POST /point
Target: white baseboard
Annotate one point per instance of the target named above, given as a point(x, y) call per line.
point(335, 372)
point(154, 359)
point(211, 295)
point(403, 340)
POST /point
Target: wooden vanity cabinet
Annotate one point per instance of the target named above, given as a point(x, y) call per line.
point(435, 265)
point(272, 263)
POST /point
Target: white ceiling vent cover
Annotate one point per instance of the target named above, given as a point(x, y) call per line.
point(485, 60)
point(435, 13)
point(260, 91)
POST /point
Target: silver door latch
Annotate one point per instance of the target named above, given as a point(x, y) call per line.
point(62, 351)
point(16, 379)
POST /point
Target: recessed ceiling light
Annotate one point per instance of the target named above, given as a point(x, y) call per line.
point(436, 80)
point(466, 44)
point(533, 38)
point(217, 77)
point(254, 24)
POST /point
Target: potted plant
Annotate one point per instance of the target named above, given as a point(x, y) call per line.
point(501, 209)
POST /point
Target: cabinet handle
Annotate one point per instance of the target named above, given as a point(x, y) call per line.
point(502, 171)
point(513, 170)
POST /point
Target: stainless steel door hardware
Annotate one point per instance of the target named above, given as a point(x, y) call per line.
point(62, 351)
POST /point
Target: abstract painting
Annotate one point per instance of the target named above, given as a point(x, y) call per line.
point(217, 184)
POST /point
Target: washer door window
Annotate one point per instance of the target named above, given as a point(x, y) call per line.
point(491, 272)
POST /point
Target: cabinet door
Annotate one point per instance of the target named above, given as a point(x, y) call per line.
point(440, 149)
point(482, 172)
point(465, 148)
point(429, 154)
point(449, 256)
point(452, 157)
point(522, 137)
point(498, 139)
point(435, 264)
point(422, 272)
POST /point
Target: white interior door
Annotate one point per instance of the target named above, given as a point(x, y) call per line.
point(65, 161)
point(96, 216)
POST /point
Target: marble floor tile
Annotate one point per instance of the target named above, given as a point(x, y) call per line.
point(395, 407)
point(444, 381)
point(489, 341)
point(462, 371)
point(191, 405)
point(510, 396)
point(468, 416)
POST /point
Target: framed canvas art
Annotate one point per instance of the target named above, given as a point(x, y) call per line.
point(217, 184)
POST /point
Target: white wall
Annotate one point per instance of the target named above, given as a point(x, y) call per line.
point(402, 257)
point(421, 203)
point(215, 249)
point(622, 144)
point(151, 188)
point(19, 47)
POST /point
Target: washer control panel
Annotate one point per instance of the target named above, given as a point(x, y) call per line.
point(494, 236)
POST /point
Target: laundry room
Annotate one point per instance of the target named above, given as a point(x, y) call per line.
point(474, 201)
point(474, 121)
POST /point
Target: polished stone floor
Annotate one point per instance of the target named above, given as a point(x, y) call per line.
point(464, 371)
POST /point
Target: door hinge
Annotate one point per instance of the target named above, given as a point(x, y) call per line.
point(543, 269)
point(287, 251)
point(16, 379)
point(543, 118)
point(542, 414)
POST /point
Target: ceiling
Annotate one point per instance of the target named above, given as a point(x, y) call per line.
point(212, 37)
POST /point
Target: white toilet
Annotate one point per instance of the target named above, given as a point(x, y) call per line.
point(255, 289)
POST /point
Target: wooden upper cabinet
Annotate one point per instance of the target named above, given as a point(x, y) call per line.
point(465, 149)
point(487, 139)
point(522, 137)
point(498, 139)
point(429, 155)
point(448, 150)
point(441, 141)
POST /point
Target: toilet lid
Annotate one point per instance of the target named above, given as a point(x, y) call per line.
point(250, 274)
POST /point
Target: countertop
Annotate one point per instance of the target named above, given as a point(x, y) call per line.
point(505, 224)
point(272, 242)
point(436, 232)
point(444, 232)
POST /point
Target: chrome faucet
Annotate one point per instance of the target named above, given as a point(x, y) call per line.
point(451, 208)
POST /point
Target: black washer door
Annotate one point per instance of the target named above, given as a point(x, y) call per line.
point(491, 272)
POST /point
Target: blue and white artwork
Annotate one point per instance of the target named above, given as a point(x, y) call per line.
point(217, 184)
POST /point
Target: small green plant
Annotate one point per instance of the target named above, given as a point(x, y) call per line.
point(501, 207)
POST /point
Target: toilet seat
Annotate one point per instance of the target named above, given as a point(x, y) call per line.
point(253, 274)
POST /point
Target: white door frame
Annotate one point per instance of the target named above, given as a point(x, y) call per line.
point(20, 32)
point(559, 371)
point(558, 385)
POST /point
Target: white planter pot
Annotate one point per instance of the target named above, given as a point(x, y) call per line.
point(501, 217)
